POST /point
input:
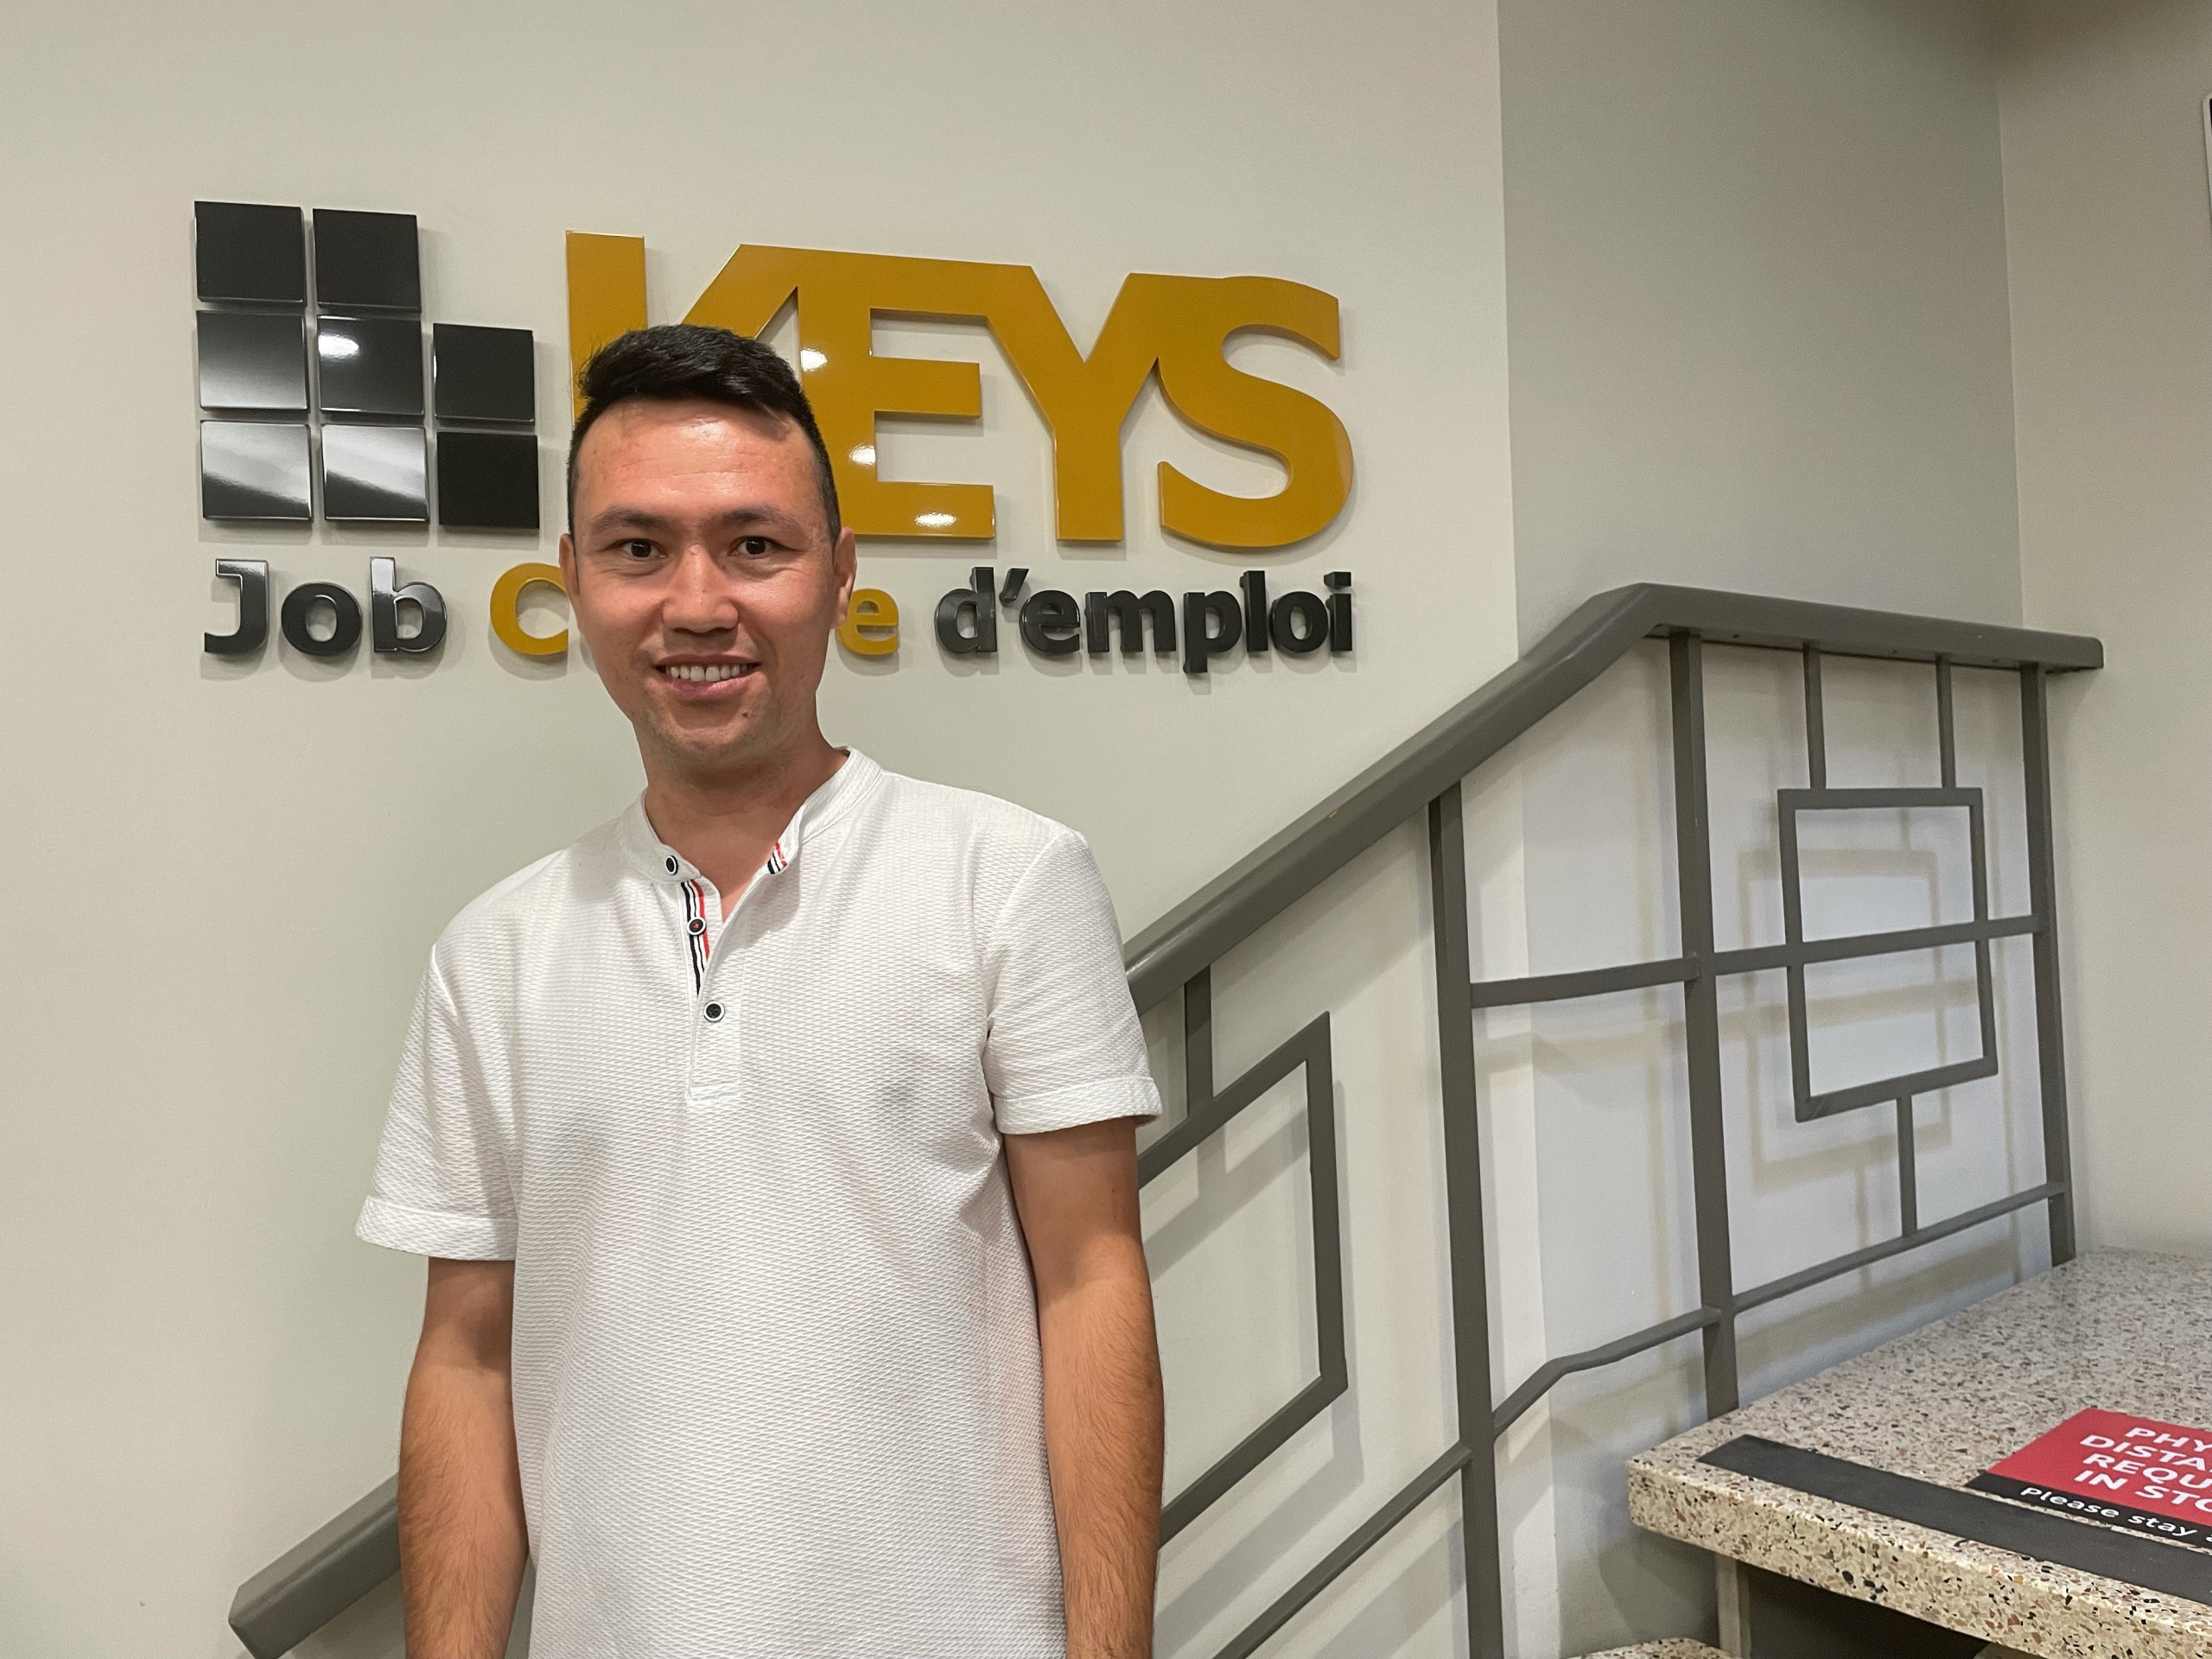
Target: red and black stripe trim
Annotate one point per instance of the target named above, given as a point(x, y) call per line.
point(694, 933)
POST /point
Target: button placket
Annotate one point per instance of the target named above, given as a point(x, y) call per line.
point(714, 1008)
point(713, 1061)
point(710, 1064)
point(708, 936)
point(697, 943)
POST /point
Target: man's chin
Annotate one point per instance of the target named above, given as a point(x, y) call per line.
point(732, 740)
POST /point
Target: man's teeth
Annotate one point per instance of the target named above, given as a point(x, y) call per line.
point(706, 672)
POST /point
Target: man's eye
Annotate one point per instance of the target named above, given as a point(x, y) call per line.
point(754, 547)
point(637, 549)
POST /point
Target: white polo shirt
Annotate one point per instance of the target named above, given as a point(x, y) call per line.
point(776, 1378)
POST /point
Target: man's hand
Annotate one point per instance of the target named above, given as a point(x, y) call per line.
point(1076, 1190)
point(461, 1538)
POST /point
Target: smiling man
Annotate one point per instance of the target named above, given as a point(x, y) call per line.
point(773, 1146)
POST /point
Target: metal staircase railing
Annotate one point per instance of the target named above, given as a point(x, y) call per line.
point(304, 1588)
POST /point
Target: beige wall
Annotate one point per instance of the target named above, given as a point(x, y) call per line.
point(220, 885)
point(1756, 254)
point(2111, 241)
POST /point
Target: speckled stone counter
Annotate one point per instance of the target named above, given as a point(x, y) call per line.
point(1662, 1650)
point(2117, 1329)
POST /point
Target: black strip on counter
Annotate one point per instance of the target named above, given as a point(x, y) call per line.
point(2170, 1569)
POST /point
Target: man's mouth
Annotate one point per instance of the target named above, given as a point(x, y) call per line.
point(706, 673)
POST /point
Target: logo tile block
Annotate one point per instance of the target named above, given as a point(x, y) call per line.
point(254, 470)
point(363, 392)
point(374, 474)
point(488, 480)
point(366, 262)
point(370, 365)
point(246, 253)
point(253, 360)
point(483, 374)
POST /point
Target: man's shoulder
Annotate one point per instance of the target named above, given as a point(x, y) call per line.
point(986, 850)
point(965, 823)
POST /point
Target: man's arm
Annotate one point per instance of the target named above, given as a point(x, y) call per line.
point(462, 1538)
point(1076, 1190)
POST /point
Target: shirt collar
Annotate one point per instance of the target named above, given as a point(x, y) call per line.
point(646, 852)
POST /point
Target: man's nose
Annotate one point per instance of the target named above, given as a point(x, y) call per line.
point(700, 599)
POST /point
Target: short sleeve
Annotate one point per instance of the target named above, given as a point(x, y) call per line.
point(441, 1184)
point(1064, 1047)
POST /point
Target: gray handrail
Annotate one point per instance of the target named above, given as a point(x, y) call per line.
point(1226, 911)
point(320, 1577)
point(310, 1584)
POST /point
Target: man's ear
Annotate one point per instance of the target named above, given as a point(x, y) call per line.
point(844, 564)
point(567, 562)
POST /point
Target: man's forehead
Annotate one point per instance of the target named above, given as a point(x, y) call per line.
point(677, 448)
point(695, 466)
point(644, 423)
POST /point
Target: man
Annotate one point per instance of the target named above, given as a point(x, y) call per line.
point(773, 1146)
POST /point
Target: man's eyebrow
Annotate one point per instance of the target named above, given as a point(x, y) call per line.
point(776, 519)
point(791, 529)
point(630, 518)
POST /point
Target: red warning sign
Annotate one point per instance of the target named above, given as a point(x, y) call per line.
point(2125, 1471)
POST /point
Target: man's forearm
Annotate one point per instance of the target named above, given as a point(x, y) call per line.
point(1103, 1431)
point(462, 1540)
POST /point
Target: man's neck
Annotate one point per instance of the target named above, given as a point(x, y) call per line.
point(725, 823)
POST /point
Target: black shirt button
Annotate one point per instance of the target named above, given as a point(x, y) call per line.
point(713, 1011)
point(672, 866)
point(698, 924)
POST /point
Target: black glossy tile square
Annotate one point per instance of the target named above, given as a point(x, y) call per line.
point(370, 365)
point(249, 253)
point(366, 261)
point(488, 480)
point(252, 469)
point(483, 374)
point(374, 474)
point(253, 360)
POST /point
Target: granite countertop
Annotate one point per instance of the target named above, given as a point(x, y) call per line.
point(2123, 1330)
point(1662, 1650)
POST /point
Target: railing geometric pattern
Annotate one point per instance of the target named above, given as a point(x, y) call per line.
point(1698, 969)
point(1205, 1115)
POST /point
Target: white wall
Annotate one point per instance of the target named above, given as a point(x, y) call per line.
point(221, 884)
point(1757, 262)
point(2111, 239)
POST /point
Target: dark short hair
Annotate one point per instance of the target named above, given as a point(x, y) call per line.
point(673, 360)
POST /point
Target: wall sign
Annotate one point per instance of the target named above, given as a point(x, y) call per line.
point(1176, 327)
point(314, 394)
point(1052, 625)
point(333, 371)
